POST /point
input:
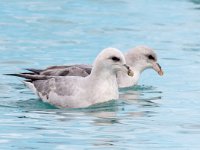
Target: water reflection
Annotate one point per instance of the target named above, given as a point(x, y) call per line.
point(195, 2)
point(102, 114)
point(141, 95)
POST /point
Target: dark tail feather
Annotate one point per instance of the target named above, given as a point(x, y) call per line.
point(29, 76)
point(13, 74)
point(37, 71)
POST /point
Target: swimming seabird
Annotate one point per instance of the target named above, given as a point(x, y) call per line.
point(139, 59)
point(77, 91)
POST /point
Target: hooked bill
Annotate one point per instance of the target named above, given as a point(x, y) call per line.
point(160, 72)
point(130, 72)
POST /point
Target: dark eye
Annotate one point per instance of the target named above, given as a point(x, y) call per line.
point(115, 58)
point(151, 57)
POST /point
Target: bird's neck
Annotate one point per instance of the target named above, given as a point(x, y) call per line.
point(103, 76)
point(123, 79)
point(104, 84)
point(135, 63)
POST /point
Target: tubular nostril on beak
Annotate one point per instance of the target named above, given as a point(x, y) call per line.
point(130, 72)
point(127, 66)
point(159, 65)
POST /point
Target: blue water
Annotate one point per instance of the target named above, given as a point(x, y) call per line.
point(159, 113)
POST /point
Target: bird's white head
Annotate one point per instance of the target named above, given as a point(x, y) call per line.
point(143, 57)
point(111, 60)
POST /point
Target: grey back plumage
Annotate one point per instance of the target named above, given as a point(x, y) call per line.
point(69, 70)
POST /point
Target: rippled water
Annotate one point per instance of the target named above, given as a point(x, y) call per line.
point(159, 113)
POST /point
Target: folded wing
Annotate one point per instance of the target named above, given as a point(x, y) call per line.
point(69, 70)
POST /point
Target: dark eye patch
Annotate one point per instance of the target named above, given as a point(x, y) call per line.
point(151, 57)
point(115, 58)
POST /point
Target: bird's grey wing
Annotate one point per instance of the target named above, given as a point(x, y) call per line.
point(69, 70)
point(86, 67)
point(60, 86)
point(61, 91)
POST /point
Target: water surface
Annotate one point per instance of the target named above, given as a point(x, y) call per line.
point(159, 113)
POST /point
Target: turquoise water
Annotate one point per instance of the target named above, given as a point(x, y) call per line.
point(159, 113)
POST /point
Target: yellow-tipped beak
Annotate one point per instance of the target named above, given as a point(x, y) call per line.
point(129, 71)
